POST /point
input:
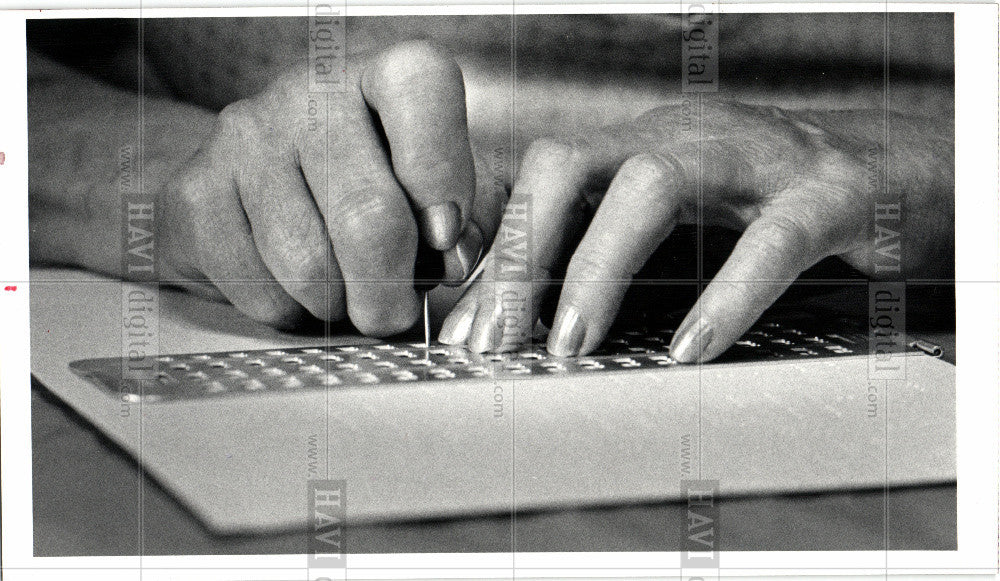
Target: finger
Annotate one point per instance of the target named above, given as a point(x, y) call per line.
point(770, 255)
point(223, 245)
point(636, 215)
point(492, 190)
point(419, 95)
point(457, 325)
point(544, 210)
point(487, 209)
point(367, 216)
point(291, 238)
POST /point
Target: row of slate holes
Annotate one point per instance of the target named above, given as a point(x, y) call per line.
point(804, 351)
point(291, 382)
point(838, 349)
point(515, 368)
point(627, 362)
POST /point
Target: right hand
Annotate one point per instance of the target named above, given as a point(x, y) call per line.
point(799, 185)
point(313, 203)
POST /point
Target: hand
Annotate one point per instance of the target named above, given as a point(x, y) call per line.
point(801, 186)
point(312, 203)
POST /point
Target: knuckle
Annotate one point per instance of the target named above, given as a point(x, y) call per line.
point(652, 118)
point(191, 211)
point(291, 258)
point(551, 152)
point(653, 168)
point(239, 118)
point(423, 54)
point(309, 262)
point(356, 211)
point(594, 266)
point(188, 193)
point(780, 233)
point(835, 166)
point(365, 217)
point(234, 114)
point(419, 62)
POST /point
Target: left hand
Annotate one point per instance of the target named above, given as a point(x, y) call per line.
point(800, 185)
point(297, 205)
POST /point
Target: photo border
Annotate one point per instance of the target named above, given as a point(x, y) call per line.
point(977, 377)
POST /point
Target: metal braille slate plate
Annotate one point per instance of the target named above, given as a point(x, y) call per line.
point(196, 375)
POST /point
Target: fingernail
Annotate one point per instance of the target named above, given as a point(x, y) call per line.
point(691, 341)
point(458, 325)
point(483, 333)
point(441, 225)
point(463, 258)
point(568, 331)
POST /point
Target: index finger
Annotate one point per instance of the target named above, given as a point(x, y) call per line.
point(499, 313)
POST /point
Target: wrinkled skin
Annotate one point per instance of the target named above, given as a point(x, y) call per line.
point(285, 218)
point(801, 186)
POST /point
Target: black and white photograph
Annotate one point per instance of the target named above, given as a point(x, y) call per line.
point(331, 291)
